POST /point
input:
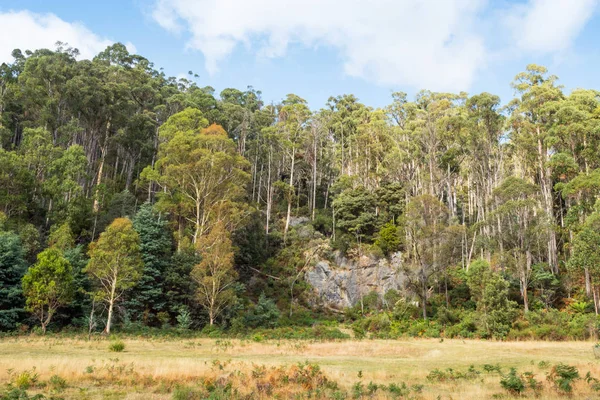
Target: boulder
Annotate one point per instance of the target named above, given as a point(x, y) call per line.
point(342, 283)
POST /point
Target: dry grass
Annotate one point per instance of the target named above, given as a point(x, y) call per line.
point(150, 369)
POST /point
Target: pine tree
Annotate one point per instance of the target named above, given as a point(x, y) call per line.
point(12, 268)
point(147, 298)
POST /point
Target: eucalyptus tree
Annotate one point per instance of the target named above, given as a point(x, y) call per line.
point(532, 116)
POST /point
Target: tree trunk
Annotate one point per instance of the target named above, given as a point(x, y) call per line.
point(109, 318)
point(289, 209)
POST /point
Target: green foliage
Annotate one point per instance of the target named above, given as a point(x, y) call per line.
point(563, 376)
point(48, 285)
point(57, 383)
point(490, 291)
point(184, 319)
point(388, 238)
point(443, 178)
point(148, 298)
point(450, 374)
point(24, 379)
point(117, 346)
point(12, 269)
point(115, 263)
point(512, 382)
point(355, 213)
point(264, 314)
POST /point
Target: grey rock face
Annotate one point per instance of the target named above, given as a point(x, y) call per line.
point(342, 283)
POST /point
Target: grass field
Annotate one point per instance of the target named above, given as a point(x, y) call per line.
point(162, 369)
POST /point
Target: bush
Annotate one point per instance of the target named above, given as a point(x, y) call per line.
point(389, 238)
point(264, 314)
point(117, 346)
point(513, 383)
point(19, 394)
point(57, 383)
point(563, 376)
point(184, 318)
point(24, 380)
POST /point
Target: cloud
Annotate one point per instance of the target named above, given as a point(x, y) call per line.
point(430, 44)
point(548, 26)
point(30, 31)
point(437, 44)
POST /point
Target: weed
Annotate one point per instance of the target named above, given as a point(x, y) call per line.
point(358, 390)
point(492, 368)
point(25, 379)
point(513, 383)
point(117, 346)
point(57, 383)
point(563, 376)
point(543, 364)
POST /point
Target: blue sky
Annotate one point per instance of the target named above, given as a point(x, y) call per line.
point(319, 48)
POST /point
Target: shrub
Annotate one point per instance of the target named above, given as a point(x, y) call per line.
point(513, 383)
point(19, 394)
point(399, 390)
point(563, 376)
point(357, 390)
point(24, 380)
point(117, 346)
point(492, 368)
point(184, 318)
point(264, 314)
point(389, 238)
point(57, 383)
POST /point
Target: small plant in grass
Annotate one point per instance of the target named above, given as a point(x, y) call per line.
point(358, 390)
point(489, 368)
point(13, 393)
point(543, 364)
point(593, 382)
point(25, 379)
point(372, 388)
point(513, 383)
point(563, 376)
point(117, 346)
point(597, 350)
point(186, 393)
point(57, 383)
point(532, 383)
point(399, 390)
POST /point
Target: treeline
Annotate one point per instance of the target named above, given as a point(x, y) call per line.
point(150, 200)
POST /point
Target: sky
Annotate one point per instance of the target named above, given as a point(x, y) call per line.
point(322, 48)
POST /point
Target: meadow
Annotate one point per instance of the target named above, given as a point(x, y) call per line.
point(77, 368)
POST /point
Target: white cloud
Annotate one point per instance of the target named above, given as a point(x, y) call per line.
point(435, 44)
point(548, 26)
point(30, 31)
point(430, 44)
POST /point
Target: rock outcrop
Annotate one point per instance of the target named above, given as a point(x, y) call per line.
point(342, 283)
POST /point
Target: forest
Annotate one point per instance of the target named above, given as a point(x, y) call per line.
point(135, 201)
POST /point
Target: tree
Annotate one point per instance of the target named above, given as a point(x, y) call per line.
point(48, 285)
point(202, 175)
point(530, 123)
point(490, 292)
point(586, 254)
point(522, 228)
point(426, 219)
point(12, 268)
point(147, 298)
point(215, 274)
point(356, 213)
point(115, 263)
